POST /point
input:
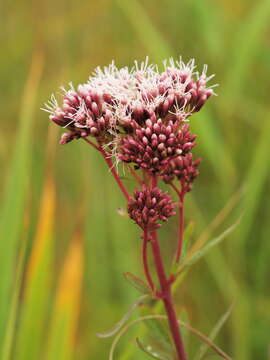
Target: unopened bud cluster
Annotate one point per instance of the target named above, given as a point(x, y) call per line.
point(154, 145)
point(184, 168)
point(149, 207)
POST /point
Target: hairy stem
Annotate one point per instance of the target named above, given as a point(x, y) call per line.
point(166, 295)
point(145, 260)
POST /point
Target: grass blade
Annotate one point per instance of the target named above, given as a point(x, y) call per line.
point(255, 180)
point(124, 319)
point(67, 304)
point(146, 31)
point(244, 52)
point(13, 204)
point(36, 300)
point(11, 326)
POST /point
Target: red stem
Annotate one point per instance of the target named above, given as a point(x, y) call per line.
point(136, 176)
point(91, 143)
point(115, 175)
point(166, 296)
point(111, 167)
point(145, 260)
point(175, 189)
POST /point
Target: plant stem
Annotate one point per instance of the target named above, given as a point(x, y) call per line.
point(113, 171)
point(111, 167)
point(166, 296)
point(145, 261)
point(91, 143)
point(135, 175)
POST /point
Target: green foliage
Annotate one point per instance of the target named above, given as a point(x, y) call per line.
point(153, 353)
point(15, 198)
point(137, 283)
point(203, 348)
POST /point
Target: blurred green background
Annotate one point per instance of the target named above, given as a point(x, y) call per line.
point(64, 245)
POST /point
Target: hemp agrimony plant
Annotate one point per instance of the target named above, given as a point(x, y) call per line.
point(140, 118)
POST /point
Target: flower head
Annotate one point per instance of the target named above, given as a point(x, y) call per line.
point(117, 101)
point(149, 207)
point(153, 145)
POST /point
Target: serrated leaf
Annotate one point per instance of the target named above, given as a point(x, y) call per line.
point(153, 353)
point(199, 254)
point(137, 283)
point(124, 319)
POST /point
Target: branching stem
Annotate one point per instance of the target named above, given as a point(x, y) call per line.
point(166, 295)
point(111, 167)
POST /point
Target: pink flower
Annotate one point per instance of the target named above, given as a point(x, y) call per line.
point(116, 101)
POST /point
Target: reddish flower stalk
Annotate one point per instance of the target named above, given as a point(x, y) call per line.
point(135, 175)
point(111, 167)
point(114, 172)
point(166, 296)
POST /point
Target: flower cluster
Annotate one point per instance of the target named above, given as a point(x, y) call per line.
point(115, 102)
point(139, 116)
point(184, 168)
point(84, 112)
point(149, 206)
point(154, 145)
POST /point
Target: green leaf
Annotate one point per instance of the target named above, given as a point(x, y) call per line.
point(124, 319)
point(153, 353)
point(137, 283)
point(204, 347)
point(208, 247)
point(160, 334)
point(187, 237)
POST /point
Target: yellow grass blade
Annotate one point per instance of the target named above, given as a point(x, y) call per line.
point(66, 308)
point(36, 299)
